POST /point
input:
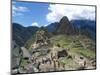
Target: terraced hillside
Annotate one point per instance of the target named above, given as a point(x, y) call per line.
point(61, 53)
point(77, 48)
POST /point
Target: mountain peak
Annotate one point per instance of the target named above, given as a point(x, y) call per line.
point(65, 26)
point(64, 18)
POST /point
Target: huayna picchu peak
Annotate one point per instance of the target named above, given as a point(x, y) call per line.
point(65, 27)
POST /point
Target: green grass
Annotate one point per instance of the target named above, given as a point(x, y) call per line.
point(85, 52)
point(75, 47)
point(23, 62)
point(63, 41)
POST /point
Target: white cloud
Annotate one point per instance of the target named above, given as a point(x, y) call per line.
point(16, 13)
point(18, 10)
point(57, 11)
point(35, 24)
point(46, 24)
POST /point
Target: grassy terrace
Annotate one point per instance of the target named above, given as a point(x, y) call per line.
point(75, 44)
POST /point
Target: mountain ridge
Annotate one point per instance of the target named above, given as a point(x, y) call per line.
point(22, 34)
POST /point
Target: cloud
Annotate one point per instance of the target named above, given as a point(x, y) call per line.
point(35, 24)
point(57, 11)
point(18, 10)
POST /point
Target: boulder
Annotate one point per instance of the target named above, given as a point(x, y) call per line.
point(26, 53)
point(16, 54)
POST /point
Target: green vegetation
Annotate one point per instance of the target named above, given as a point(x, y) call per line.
point(30, 41)
point(76, 45)
point(85, 52)
point(63, 40)
point(23, 62)
point(69, 64)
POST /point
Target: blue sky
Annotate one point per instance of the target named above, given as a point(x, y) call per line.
point(31, 13)
point(42, 14)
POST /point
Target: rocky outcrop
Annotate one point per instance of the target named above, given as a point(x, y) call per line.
point(41, 39)
point(26, 53)
point(16, 54)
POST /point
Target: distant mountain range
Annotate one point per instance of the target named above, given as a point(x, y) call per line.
point(86, 27)
point(22, 34)
point(52, 27)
